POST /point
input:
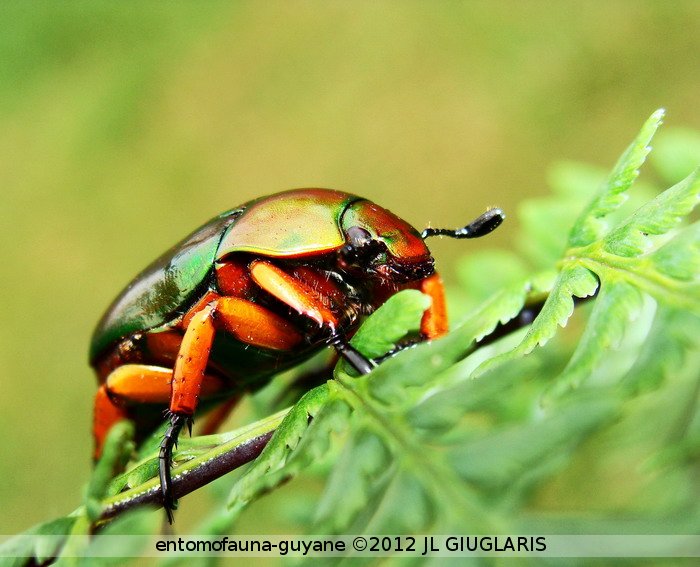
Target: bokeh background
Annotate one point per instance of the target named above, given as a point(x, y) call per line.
point(125, 125)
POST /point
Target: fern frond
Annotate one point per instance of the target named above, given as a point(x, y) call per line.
point(591, 224)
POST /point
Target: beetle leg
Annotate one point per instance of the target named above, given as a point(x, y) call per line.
point(245, 320)
point(188, 376)
point(255, 325)
point(356, 359)
point(192, 361)
point(293, 292)
point(137, 384)
point(305, 301)
point(106, 414)
point(144, 384)
point(434, 322)
point(320, 282)
point(165, 456)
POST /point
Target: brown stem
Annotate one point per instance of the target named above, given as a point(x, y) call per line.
point(196, 478)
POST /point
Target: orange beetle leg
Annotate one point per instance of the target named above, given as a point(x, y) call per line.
point(162, 348)
point(107, 413)
point(255, 325)
point(291, 291)
point(138, 384)
point(143, 384)
point(326, 289)
point(434, 322)
point(310, 303)
point(209, 297)
point(247, 321)
point(233, 279)
point(188, 376)
point(192, 361)
point(250, 323)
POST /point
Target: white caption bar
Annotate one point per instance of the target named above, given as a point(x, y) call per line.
point(356, 546)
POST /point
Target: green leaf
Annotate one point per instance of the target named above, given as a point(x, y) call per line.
point(591, 225)
point(654, 218)
point(398, 317)
point(412, 368)
point(269, 470)
point(357, 472)
point(558, 308)
point(107, 550)
point(617, 306)
point(76, 543)
point(674, 336)
point(118, 446)
point(679, 258)
point(503, 456)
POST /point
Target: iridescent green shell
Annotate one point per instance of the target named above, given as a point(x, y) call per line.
point(165, 289)
point(293, 224)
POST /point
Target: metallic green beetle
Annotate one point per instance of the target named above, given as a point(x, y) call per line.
point(254, 291)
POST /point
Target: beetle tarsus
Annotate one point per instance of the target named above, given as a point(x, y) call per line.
point(480, 226)
point(356, 359)
point(177, 421)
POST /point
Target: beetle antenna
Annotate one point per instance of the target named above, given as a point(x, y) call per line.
point(480, 226)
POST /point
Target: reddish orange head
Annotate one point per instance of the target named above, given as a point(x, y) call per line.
point(378, 243)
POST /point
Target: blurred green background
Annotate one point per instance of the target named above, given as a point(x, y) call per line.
point(125, 125)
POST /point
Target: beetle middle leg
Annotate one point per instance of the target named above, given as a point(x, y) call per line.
point(248, 322)
point(354, 357)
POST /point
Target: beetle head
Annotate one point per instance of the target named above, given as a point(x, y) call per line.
point(380, 245)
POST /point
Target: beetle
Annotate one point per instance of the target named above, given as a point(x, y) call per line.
point(254, 291)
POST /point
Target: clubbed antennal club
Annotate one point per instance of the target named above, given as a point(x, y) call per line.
point(480, 226)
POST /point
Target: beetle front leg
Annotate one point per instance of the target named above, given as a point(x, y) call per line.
point(249, 323)
point(297, 295)
point(434, 322)
point(356, 359)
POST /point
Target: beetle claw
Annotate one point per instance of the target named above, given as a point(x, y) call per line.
point(166, 460)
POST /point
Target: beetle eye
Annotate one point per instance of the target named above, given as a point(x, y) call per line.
point(358, 237)
point(360, 248)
